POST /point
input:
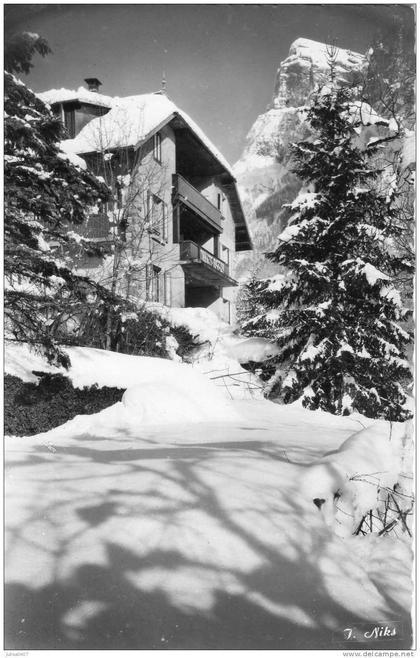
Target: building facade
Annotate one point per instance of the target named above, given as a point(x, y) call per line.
point(171, 231)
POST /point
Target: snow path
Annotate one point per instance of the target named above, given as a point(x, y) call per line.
point(188, 537)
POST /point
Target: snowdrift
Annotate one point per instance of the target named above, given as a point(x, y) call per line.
point(347, 483)
point(221, 351)
point(158, 391)
point(219, 356)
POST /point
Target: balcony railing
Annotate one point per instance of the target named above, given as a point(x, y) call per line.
point(190, 251)
point(196, 201)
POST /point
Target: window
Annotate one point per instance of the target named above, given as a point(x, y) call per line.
point(119, 195)
point(157, 147)
point(152, 283)
point(106, 207)
point(69, 122)
point(157, 216)
point(118, 200)
point(219, 202)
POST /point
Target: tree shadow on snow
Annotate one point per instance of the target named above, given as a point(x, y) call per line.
point(186, 451)
point(133, 619)
point(281, 604)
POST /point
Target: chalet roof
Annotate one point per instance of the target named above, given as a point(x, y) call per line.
point(130, 121)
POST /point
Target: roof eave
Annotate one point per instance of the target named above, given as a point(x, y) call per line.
point(153, 131)
point(179, 117)
point(238, 214)
point(78, 99)
point(226, 170)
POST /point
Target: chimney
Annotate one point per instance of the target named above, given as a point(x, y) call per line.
point(93, 84)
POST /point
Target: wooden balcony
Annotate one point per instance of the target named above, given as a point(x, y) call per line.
point(186, 193)
point(204, 268)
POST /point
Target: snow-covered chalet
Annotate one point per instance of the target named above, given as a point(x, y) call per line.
point(176, 203)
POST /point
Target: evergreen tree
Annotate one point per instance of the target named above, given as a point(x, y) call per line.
point(46, 195)
point(390, 78)
point(335, 314)
point(19, 49)
point(389, 88)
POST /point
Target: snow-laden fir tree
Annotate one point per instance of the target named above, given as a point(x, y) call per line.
point(390, 77)
point(335, 313)
point(46, 196)
point(389, 87)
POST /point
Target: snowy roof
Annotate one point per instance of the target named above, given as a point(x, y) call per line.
point(130, 121)
point(81, 94)
point(71, 157)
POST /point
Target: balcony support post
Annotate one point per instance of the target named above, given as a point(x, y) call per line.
point(216, 245)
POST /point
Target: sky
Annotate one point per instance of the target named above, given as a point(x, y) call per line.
point(220, 60)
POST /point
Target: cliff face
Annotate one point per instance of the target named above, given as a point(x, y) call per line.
point(307, 66)
point(264, 170)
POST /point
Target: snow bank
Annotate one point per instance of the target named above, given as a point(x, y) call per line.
point(221, 350)
point(204, 324)
point(218, 356)
point(90, 366)
point(252, 349)
point(158, 391)
point(344, 484)
point(175, 394)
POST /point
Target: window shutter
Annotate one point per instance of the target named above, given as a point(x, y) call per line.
point(157, 216)
point(69, 122)
point(157, 147)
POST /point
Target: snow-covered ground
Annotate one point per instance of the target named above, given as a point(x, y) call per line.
point(181, 518)
point(218, 354)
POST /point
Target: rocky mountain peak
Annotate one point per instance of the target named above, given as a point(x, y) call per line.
point(265, 169)
point(307, 65)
